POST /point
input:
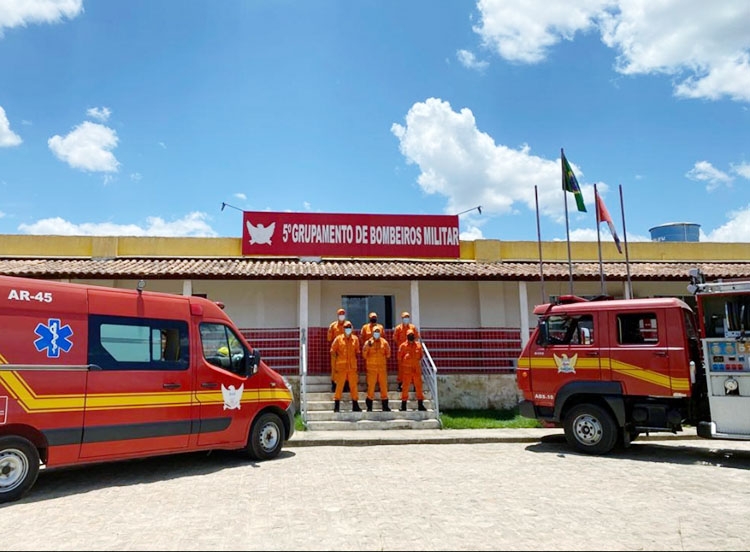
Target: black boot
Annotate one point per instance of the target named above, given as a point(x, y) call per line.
point(336, 405)
point(355, 407)
point(403, 406)
point(368, 402)
point(420, 406)
point(386, 408)
point(333, 387)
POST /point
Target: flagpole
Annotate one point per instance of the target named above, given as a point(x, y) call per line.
point(625, 238)
point(539, 241)
point(567, 226)
point(599, 240)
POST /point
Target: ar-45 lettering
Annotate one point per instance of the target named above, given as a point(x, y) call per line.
point(26, 295)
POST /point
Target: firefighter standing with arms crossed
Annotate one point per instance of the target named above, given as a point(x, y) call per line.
point(399, 337)
point(376, 353)
point(345, 351)
point(410, 358)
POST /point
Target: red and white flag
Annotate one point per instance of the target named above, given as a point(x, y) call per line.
point(602, 215)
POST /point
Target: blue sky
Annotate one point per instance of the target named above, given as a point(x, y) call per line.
point(141, 117)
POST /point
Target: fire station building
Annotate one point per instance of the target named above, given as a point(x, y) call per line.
point(472, 302)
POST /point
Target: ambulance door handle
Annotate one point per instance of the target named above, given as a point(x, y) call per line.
point(209, 385)
point(661, 353)
point(171, 386)
point(592, 353)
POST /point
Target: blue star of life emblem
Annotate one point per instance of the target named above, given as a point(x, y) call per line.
point(53, 337)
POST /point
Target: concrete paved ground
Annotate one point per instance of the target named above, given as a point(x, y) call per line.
point(512, 494)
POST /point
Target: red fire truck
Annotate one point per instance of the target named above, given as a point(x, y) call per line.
point(93, 374)
point(609, 370)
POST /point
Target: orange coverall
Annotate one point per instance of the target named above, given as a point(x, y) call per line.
point(376, 353)
point(399, 337)
point(366, 332)
point(345, 351)
point(410, 357)
point(335, 329)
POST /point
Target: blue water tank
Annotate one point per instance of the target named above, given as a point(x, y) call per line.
point(676, 232)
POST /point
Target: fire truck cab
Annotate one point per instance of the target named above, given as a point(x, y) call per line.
point(609, 370)
point(92, 374)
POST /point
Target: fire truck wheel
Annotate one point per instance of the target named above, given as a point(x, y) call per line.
point(19, 467)
point(266, 437)
point(591, 429)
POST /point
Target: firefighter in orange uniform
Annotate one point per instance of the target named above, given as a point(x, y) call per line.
point(399, 337)
point(335, 328)
point(410, 358)
point(345, 351)
point(366, 332)
point(376, 353)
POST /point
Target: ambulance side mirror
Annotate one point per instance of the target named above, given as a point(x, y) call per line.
point(252, 362)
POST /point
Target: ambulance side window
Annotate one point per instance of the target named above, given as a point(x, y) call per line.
point(124, 343)
point(222, 348)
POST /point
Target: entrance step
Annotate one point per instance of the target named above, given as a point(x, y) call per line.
point(319, 414)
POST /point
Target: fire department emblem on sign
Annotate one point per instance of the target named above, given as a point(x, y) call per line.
point(566, 365)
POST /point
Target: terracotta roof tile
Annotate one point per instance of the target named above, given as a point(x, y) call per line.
point(293, 269)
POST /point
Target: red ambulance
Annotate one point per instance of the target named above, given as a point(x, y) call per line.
point(92, 374)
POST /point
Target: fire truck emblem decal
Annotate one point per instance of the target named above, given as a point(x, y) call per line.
point(53, 337)
point(232, 396)
point(565, 364)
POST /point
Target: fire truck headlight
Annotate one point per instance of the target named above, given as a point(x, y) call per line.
point(730, 385)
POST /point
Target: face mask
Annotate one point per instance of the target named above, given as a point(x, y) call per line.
point(406, 320)
point(347, 331)
point(410, 338)
point(376, 335)
point(342, 317)
point(373, 319)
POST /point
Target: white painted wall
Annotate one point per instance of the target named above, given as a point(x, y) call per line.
point(448, 304)
point(255, 303)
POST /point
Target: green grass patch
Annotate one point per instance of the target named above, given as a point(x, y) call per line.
point(485, 419)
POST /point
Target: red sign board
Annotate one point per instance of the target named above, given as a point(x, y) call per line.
point(349, 235)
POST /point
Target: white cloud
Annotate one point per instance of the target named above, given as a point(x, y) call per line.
point(136, 177)
point(240, 195)
point(87, 147)
point(8, 138)
point(469, 60)
point(191, 225)
point(742, 169)
point(704, 46)
point(19, 13)
point(464, 164)
point(471, 233)
point(99, 113)
point(737, 229)
point(524, 30)
point(703, 171)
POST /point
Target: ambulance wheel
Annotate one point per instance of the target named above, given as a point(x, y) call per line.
point(266, 437)
point(591, 429)
point(19, 467)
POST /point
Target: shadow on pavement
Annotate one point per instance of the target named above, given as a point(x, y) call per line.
point(59, 482)
point(685, 454)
